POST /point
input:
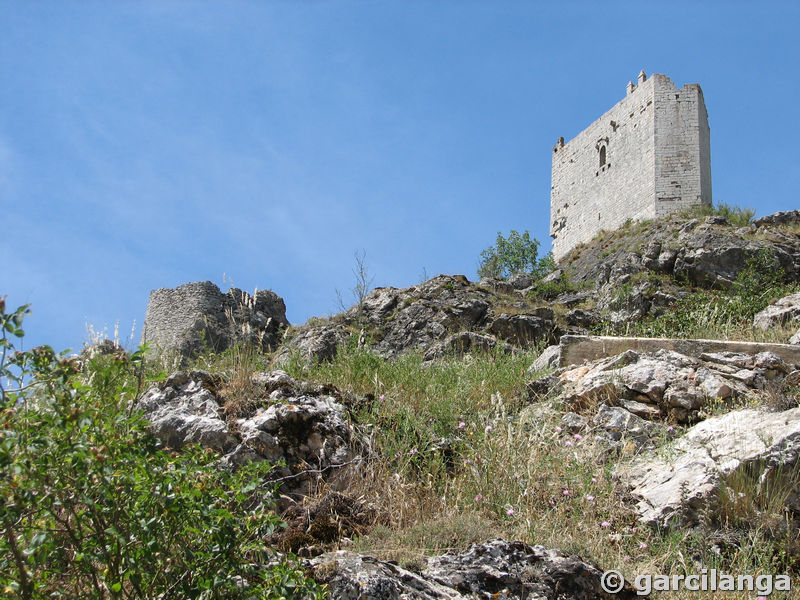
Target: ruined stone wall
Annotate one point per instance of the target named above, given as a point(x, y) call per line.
point(197, 316)
point(645, 157)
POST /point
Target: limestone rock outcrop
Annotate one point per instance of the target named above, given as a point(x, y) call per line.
point(446, 314)
point(196, 316)
point(314, 344)
point(677, 485)
point(643, 268)
point(779, 313)
point(494, 569)
point(665, 384)
point(282, 420)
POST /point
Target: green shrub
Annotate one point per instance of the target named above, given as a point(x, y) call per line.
point(547, 290)
point(94, 507)
point(517, 253)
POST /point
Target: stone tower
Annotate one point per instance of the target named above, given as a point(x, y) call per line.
point(647, 156)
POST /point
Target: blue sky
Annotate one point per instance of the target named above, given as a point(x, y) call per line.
point(149, 144)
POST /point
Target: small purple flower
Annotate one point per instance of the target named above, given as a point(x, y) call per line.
point(568, 443)
point(510, 512)
point(605, 524)
point(461, 424)
point(565, 492)
point(478, 498)
point(578, 436)
point(590, 498)
point(558, 429)
point(488, 428)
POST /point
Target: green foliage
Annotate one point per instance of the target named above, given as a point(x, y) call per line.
point(94, 507)
point(547, 290)
point(517, 253)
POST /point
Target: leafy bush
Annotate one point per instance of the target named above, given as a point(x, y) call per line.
point(94, 507)
point(517, 253)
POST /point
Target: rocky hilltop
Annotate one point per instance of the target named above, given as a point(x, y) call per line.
point(426, 420)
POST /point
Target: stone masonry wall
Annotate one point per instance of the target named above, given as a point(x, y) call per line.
point(682, 142)
point(586, 197)
point(645, 157)
point(197, 316)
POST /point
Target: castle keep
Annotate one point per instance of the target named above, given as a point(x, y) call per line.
point(646, 157)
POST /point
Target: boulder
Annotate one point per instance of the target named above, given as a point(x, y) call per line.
point(313, 344)
point(197, 316)
point(494, 569)
point(422, 315)
point(547, 360)
point(303, 426)
point(667, 384)
point(520, 281)
point(779, 313)
point(522, 330)
point(583, 318)
point(677, 486)
point(185, 410)
point(616, 426)
point(462, 343)
point(789, 217)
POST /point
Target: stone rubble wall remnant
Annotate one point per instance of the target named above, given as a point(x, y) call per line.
point(197, 316)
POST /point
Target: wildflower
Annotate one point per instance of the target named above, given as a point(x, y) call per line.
point(551, 502)
point(565, 492)
point(413, 452)
point(605, 524)
point(558, 429)
point(467, 461)
point(510, 512)
point(382, 397)
point(478, 498)
point(670, 429)
point(461, 424)
point(642, 546)
point(568, 443)
point(578, 436)
point(488, 428)
point(590, 498)
point(594, 479)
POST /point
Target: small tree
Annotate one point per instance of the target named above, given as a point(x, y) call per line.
point(518, 253)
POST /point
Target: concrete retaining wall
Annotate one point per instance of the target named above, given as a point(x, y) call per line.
point(575, 349)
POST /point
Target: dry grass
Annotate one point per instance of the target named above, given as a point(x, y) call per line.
point(464, 460)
